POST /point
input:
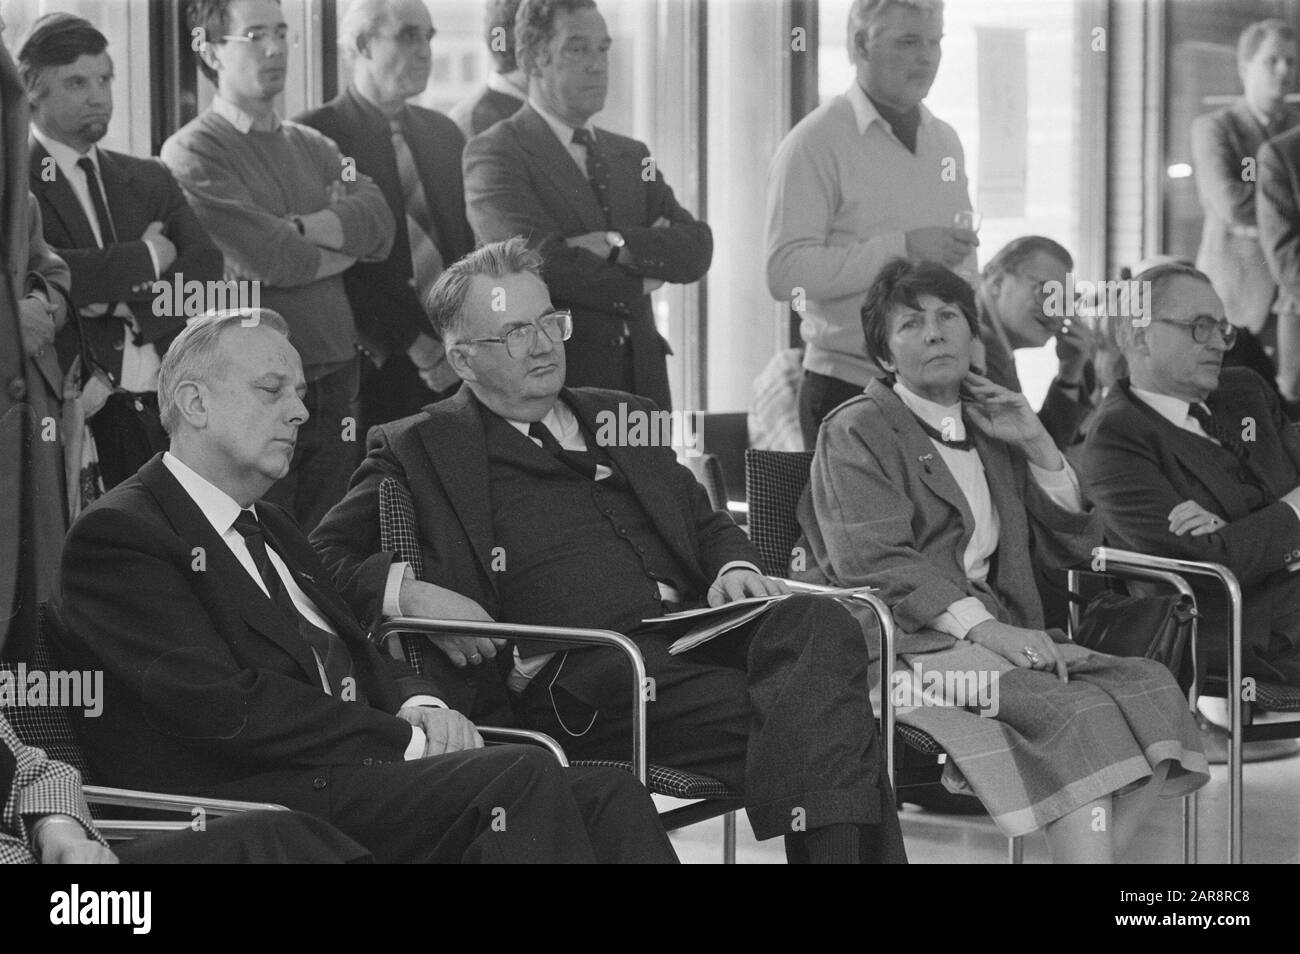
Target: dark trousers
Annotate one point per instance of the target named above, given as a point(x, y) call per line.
point(327, 451)
point(127, 434)
point(778, 709)
point(501, 804)
point(392, 391)
point(256, 838)
point(819, 394)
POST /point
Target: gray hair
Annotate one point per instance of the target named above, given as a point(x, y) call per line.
point(1158, 277)
point(193, 355)
point(865, 14)
point(445, 303)
point(1253, 37)
point(360, 20)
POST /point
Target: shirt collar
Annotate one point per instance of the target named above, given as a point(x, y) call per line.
point(1172, 409)
point(865, 112)
point(241, 120)
point(500, 83)
point(371, 113)
point(947, 420)
point(218, 506)
point(559, 420)
point(563, 131)
point(65, 157)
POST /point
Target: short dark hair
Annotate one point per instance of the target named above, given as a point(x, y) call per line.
point(535, 23)
point(213, 18)
point(56, 39)
point(902, 282)
point(1012, 256)
point(1253, 37)
point(501, 24)
point(445, 303)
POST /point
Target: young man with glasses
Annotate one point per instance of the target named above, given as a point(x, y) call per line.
point(1193, 460)
point(530, 511)
point(414, 156)
point(594, 202)
point(292, 213)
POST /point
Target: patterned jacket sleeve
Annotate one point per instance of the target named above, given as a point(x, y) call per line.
point(40, 786)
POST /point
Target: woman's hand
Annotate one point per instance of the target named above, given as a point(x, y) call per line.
point(1191, 517)
point(1026, 648)
point(1006, 416)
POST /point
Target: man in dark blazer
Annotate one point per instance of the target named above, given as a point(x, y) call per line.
point(152, 235)
point(594, 202)
point(506, 87)
point(388, 46)
point(233, 668)
point(1190, 461)
point(547, 513)
point(1225, 144)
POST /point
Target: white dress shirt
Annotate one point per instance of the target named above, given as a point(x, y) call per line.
point(1061, 487)
point(564, 132)
point(140, 363)
point(221, 510)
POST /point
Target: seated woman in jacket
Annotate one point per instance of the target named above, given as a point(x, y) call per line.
point(942, 489)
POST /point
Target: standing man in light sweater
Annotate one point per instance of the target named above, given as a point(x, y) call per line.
point(289, 211)
point(867, 177)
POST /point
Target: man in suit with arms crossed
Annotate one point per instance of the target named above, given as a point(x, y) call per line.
point(544, 515)
point(414, 156)
point(121, 223)
point(232, 667)
point(594, 202)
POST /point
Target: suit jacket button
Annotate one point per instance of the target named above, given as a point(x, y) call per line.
point(119, 344)
point(319, 782)
point(367, 761)
point(16, 389)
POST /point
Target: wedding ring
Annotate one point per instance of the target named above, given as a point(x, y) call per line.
point(1031, 654)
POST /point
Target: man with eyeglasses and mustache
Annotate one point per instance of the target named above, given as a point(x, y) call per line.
point(1193, 460)
point(291, 213)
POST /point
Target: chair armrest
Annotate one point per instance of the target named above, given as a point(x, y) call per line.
point(887, 652)
point(557, 634)
point(115, 829)
point(497, 735)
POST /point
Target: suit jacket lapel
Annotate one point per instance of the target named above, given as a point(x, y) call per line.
point(665, 510)
point(454, 441)
point(58, 193)
point(557, 164)
point(255, 606)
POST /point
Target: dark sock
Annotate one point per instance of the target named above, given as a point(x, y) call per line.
point(832, 845)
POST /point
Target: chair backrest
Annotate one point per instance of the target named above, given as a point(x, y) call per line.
point(44, 726)
point(399, 533)
point(708, 471)
point(774, 482)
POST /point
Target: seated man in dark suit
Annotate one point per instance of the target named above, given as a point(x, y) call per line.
point(414, 156)
point(232, 668)
point(1189, 460)
point(533, 508)
point(44, 818)
point(506, 88)
point(594, 202)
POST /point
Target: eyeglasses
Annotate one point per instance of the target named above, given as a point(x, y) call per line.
point(258, 36)
point(520, 341)
point(1203, 326)
point(413, 37)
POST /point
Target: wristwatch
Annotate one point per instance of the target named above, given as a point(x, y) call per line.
point(297, 223)
point(615, 241)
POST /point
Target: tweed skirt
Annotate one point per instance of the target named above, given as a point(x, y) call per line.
point(1044, 748)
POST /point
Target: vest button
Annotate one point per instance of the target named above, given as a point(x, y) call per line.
point(319, 782)
point(640, 549)
point(367, 761)
point(16, 389)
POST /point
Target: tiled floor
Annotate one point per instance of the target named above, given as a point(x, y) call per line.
point(1272, 829)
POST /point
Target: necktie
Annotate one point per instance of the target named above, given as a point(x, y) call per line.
point(426, 260)
point(574, 460)
point(329, 648)
point(597, 172)
point(1226, 438)
point(107, 234)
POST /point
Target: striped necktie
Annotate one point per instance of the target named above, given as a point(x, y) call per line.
point(426, 260)
point(597, 171)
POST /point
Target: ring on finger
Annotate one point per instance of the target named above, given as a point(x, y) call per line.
point(1031, 654)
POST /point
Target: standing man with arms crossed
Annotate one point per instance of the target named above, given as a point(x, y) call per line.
point(867, 177)
point(288, 211)
point(592, 201)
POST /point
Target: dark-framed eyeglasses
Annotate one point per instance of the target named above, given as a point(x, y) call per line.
point(1203, 326)
point(520, 341)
